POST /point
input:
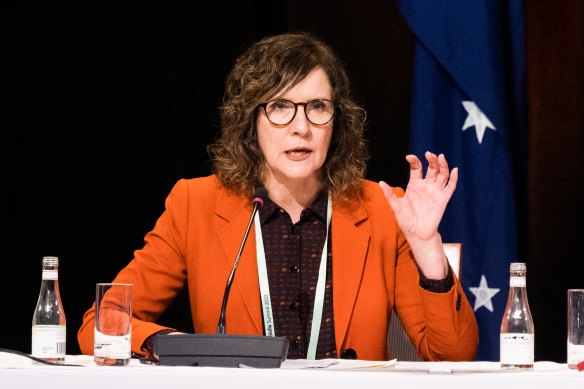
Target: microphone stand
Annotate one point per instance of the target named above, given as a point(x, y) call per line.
point(257, 202)
point(224, 350)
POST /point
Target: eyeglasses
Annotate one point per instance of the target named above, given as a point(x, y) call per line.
point(281, 112)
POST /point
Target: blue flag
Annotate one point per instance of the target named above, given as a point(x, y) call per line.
point(469, 103)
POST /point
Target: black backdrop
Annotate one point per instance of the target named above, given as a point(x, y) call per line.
point(106, 107)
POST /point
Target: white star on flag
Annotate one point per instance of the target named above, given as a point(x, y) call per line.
point(483, 294)
point(476, 118)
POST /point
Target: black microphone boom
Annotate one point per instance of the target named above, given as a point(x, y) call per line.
point(258, 201)
point(222, 350)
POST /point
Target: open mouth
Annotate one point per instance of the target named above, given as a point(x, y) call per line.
point(298, 152)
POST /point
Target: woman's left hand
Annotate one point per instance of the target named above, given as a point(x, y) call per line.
point(419, 211)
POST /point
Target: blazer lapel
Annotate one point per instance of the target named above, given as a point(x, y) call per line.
point(236, 211)
point(350, 243)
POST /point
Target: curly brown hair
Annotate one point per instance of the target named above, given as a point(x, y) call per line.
point(266, 68)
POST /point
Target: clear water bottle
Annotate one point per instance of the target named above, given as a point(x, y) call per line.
point(517, 330)
point(48, 321)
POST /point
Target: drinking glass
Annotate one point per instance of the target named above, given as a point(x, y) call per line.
point(113, 324)
point(575, 327)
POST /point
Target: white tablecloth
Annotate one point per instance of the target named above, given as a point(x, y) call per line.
point(19, 372)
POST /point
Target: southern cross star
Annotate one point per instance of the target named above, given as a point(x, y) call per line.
point(483, 294)
point(476, 118)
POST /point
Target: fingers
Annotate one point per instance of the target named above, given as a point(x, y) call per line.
point(438, 171)
point(415, 167)
point(443, 172)
point(433, 166)
point(388, 193)
point(452, 182)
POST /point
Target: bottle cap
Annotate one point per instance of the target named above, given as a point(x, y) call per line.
point(50, 261)
point(518, 266)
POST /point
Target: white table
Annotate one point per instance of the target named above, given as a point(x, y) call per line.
point(18, 372)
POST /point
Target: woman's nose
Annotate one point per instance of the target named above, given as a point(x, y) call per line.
point(300, 124)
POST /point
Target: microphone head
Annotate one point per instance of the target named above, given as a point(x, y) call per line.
point(260, 195)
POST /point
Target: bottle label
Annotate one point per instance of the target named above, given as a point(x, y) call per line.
point(50, 274)
point(114, 347)
point(517, 349)
point(575, 353)
point(517, 281)
point(48, 341)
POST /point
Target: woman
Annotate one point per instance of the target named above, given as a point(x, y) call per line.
point(327, 238)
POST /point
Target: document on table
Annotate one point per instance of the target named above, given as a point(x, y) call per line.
point(417, 367)
point(336, 364)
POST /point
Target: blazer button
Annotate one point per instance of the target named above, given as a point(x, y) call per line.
point(349, 353)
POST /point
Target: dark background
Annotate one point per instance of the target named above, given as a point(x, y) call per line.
point(105, 107)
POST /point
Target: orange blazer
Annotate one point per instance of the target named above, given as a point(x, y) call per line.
point(196, 240)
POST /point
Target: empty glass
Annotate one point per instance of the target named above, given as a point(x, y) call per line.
point(575, 327)
point(113, 324)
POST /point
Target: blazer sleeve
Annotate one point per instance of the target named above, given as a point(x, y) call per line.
point(158, 273)
point(442, 326)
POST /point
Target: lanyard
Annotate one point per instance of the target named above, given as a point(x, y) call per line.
point(320, 284)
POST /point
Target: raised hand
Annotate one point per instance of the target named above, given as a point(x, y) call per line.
point(419, 211)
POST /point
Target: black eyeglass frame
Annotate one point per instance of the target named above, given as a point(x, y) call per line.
point(264, 105)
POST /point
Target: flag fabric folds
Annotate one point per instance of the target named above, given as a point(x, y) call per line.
point(469, 103)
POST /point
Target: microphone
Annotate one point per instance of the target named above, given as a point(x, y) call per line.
point(258, 201)
point(225, 350)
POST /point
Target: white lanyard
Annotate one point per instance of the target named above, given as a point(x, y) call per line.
point(320, 284)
